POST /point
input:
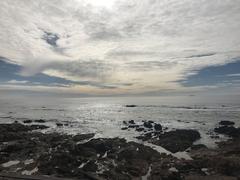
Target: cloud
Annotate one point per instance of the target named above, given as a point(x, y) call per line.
point(234, 75)
point(202, 55)
point(16, 82)
point(150, 44)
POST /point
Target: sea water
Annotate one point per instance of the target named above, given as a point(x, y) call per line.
point(104, 116)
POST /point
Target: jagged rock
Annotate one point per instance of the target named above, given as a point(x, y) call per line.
point(228, 130)
point(27, 121)
point(131, 122)
point(40, 121)
point(226, 123)
point(178, 140)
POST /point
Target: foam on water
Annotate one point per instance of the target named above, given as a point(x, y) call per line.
point(104, 116)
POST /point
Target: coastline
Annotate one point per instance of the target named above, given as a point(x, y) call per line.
point(25, 150)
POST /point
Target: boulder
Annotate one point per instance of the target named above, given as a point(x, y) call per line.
point(147, 124)
point(178, 140)
point(158, 127)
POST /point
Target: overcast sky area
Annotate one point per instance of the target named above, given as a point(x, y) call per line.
point(120, 47)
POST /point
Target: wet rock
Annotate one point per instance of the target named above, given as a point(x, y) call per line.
point(17, 127)
point(139, 129)
point(131, 122)
point(133, 126)
point(178, 140)
point(158, 127)
point(137, 151)
point(59, 124)
point(226, 123)
point(91, 166)
point(216, 177)
point(135, 167)
point(228, 130)
point(81, 137)
point(146, 136)
point(147, 124)
point(113, 175)
point(34, 127)
point(27, 121)
point(160, 171)
point(198, 146)
point(58, 163)
point(131, 105)
point(40, 121)
point(215, 136)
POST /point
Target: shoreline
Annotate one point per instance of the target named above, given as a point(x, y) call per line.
point(26, 151)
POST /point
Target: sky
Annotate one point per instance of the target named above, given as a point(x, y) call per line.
point(120, 47)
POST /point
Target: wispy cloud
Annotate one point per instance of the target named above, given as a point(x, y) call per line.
point(152, 45)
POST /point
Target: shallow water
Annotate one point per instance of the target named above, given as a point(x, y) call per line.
point(104, 116)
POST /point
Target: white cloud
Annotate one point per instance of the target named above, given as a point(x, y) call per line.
point(17, 82)
point(234, 75)
point(150, 44)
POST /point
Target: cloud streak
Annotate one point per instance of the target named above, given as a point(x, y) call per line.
point(128, 47)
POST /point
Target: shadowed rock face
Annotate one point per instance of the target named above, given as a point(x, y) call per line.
point(178, 140)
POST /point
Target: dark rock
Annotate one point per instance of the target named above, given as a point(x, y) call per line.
point(139, 129)
point(137, 151)
point(228, 130)
point(160, 171)
point(40, 121)
point(215, 177)
point(178, 140)
point(81, 137)
point(91, 166)
point(131, 105)
point(215, 136)
point(27, 121)
point(133, 126)
point(226, 123)
point(147, 124)
point(59, 124)
point(198, 146)
point(125, 122)
point(34, 127)
point(16, 127)
point(145, 137)
point(135, 167)
point(158, 127)
point(131, 122)
point(124, 128)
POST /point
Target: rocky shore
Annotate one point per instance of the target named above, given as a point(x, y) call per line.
point(25, 150)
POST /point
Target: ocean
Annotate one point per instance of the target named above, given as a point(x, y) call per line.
point(104, 116)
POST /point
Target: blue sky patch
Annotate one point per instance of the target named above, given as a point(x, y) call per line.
point(9, 72)
point(228, 73)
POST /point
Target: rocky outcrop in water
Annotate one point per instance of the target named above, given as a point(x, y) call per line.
point(81, 156)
